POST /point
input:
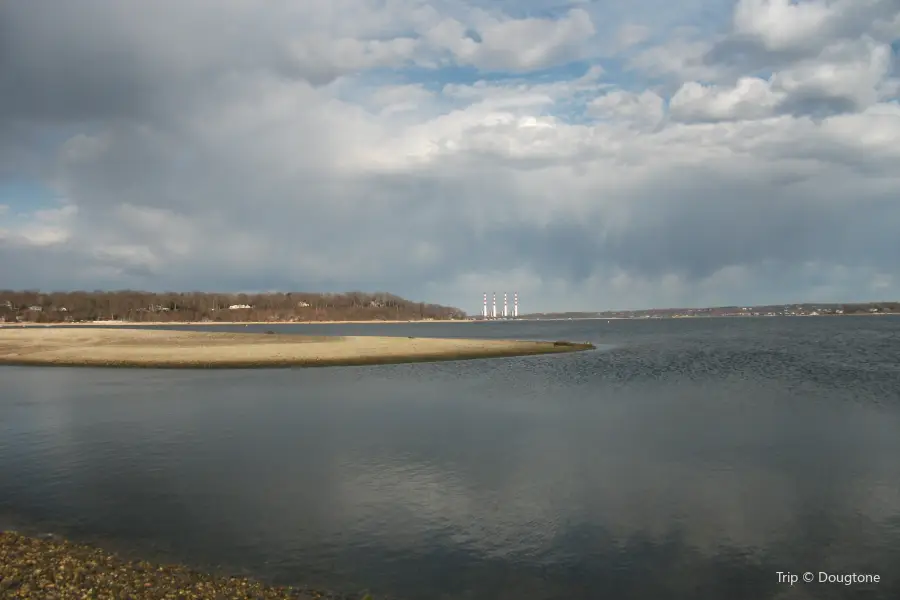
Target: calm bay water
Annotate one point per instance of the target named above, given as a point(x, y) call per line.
point(682, 459)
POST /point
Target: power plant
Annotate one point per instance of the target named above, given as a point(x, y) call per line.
point(492, 314)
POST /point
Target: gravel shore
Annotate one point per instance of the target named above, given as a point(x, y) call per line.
point(66, 346)
point(48, 568)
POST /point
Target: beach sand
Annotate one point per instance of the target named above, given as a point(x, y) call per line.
point(117, 347)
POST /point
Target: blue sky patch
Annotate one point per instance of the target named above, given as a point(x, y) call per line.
point(25, 196)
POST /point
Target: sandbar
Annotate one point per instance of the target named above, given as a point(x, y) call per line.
point(115, 347)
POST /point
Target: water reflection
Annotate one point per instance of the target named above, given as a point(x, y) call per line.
point(658, 470)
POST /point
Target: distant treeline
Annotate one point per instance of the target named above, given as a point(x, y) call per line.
point(128, 305)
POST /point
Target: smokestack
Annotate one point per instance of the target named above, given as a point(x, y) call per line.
point(515, 305)
point(505, 309)
point(484, 308)
point(494, 306)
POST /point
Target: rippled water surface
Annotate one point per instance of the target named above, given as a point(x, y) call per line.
point(682, 459)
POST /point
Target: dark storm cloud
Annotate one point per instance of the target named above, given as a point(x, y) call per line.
point(564, 248)
point(96, 60)
point(744, 54)
point(75, 61)
point(697, 230)
point(53, 268)
point(817, 105)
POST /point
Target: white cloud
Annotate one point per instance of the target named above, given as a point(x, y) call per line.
point(401, 98)
point(43, 228)
point(680, 58)
point(783, 24)
point(516, 44)
point(347, 55)
point(808, 26)
point(644, 109)
point(632, 34)
point(848, 71)
point(750, 98)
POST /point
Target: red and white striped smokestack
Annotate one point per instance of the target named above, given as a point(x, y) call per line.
point(494, 305)
point(484, 308)
point(515, 304)
point(505, 305)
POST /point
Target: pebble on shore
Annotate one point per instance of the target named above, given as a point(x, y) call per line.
point(54, 569)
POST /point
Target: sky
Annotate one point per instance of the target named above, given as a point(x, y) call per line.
point(589, 155)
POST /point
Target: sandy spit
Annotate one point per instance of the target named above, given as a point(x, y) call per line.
point(115, 347)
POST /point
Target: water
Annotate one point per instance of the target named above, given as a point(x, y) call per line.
point(682, 459)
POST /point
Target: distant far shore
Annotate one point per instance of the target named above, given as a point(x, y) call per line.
point(161, 348)
point(681, 317)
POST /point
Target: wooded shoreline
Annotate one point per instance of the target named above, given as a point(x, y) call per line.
point(136, 306)
point(219, 323)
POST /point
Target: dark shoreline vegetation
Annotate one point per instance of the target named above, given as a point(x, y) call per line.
point(33, 306)
point(52, 568)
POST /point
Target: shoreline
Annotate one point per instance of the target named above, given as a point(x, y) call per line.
point(12, 325)
point(45, 567)
point(212, 323)
point(136, 347)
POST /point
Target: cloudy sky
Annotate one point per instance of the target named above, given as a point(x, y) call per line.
point(588, 155)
